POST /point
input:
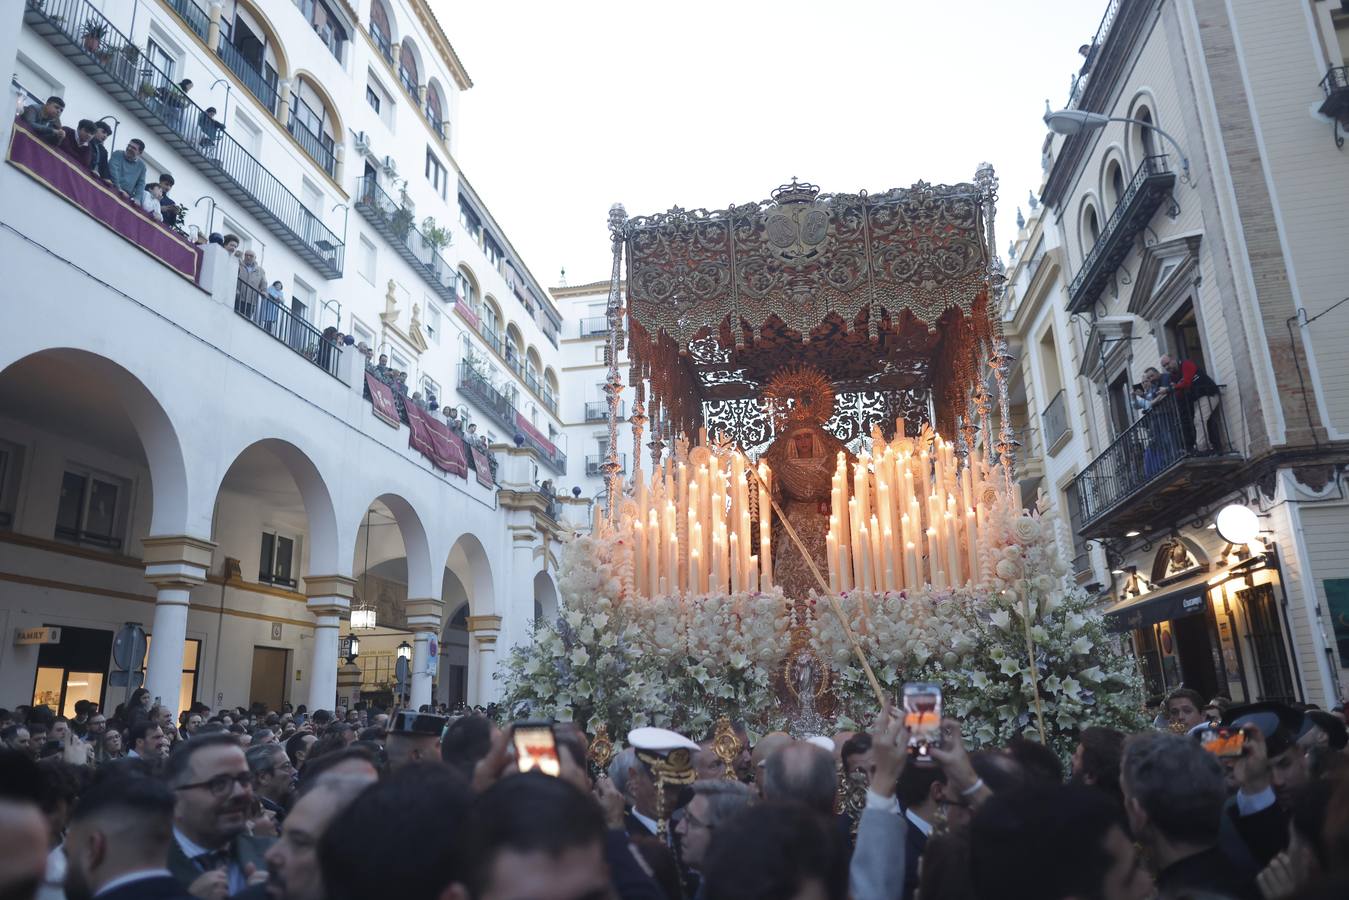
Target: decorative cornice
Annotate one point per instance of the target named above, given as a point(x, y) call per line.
point(442, 44)
point(342, 587)
point(487, 623)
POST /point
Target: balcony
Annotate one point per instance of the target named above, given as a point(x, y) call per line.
point(476, 386)
point(436, 122)
point(593, 326)
point(1336, 105)
point(119, 67)
point(595, 465)
point(288, 328)
point(261, 83)
point(405, 79)
point(1158, 470)
point(395, 223)
point(381, 43)
point(306, 127)
point(197, 19)
point(61, 174)
point(1055, 419)
point(598, 411)
point(1149, 186)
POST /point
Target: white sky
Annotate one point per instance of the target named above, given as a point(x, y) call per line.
point(576, 106)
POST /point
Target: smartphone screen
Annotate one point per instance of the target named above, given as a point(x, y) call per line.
point(1223, 742)
point(922, 717)
point(536, 748)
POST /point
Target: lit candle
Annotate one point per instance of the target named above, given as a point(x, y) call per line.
point(736, 585)
point(672, 548)
point(952, 556)
point(718, 583)
point(912, 580)
point(831, 550)
point(933, 555)
point(639, 557)
point(695, 571)
point(888, 544)
point(972, 541)
point(864, 556)
point(653, 552)
point(877, 557)
point(765, 526)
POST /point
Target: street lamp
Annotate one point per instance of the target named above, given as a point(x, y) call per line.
point(1075, 121)
point(1238, 524)
point(353, 648)
point(405, 650)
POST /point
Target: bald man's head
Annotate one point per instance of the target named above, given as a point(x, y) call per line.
point(804, 773)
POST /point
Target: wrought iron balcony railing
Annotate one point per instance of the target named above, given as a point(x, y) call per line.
point(598, 411)
point(395, 223)
point(382, 43)
point(1336, 105)
point(287, 327)
point(1083, 77)
point(196, 18)
point(594, 325)
point(595, 464)
point(116, 64)
point(319, 146)
point(261, 83)
point(1056, 421)
point(1146, 190)
point(405, 79)
point(1175, 451)
point(484, 395)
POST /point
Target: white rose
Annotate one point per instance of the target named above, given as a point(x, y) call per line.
point(1026, 530)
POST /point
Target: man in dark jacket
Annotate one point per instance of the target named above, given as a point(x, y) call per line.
point(117, 843)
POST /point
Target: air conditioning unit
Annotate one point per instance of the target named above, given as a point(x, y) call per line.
point(362, 142)
point(390, 167)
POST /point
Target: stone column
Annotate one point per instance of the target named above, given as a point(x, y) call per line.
point(329, 600)
point(213, 29)
point(174, 564)
point(483, 632)
point(349, 685)
point(424, 617)
point(283, 102)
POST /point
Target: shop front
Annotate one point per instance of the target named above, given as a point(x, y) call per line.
point(1221, 630)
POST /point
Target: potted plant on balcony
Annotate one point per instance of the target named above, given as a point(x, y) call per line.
point(437, 237)
point(147, 88)
point(92, 34)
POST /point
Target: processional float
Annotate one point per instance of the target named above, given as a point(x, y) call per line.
point(810, 377)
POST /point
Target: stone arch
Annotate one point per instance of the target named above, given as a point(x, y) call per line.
point(437, 107)
point(1089, 222)
point(100, 383)
point(270, 30)
point(1140, 140)
point(382, 21)
point(416, 546)
point(331, 120)
point(1115, 174)
point(409, 64)
point(545, 597)
point(470, 563)
point(320, 512)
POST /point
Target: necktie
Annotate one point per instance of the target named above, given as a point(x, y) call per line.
point(215, 859)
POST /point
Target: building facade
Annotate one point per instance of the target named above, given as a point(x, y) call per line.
point(180, 451)
point(1201, 229)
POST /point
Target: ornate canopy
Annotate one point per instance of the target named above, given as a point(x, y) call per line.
point(887, 293)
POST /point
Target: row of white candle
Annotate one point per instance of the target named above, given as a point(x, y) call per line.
point(906, 517)
point(693, 528)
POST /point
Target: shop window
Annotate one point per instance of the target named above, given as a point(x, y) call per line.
point(1271, 657)
point(74, 669)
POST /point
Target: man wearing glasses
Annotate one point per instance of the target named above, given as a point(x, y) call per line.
point(212, 854)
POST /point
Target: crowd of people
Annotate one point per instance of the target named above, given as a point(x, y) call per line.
point(123, 170)
point(366, 802)
point(1197, 401)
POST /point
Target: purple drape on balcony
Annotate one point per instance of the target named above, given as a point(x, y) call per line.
point(65, 176)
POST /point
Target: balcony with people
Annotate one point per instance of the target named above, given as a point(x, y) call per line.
point(1135, 205)
point(477, 385)
point(254, 72)
point(1177, 456)
point(114, 62)
point(419, 247)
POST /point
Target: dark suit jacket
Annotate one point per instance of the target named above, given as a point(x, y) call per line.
point(157, 888)
point(245, 849)
point(1210, 870)
point(1264, 833)
point(914, 844)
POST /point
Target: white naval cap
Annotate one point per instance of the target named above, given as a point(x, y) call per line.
point(820, 741)
point(659, 740)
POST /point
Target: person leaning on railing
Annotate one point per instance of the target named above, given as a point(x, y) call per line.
point(1197, 395)
point(46, 120)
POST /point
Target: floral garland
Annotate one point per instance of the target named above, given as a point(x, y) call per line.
point(608, 659)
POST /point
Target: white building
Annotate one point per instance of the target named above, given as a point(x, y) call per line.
point(159, 424)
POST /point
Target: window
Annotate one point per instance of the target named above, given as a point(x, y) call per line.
point(361, 333)
point(10, 457)
point(407, 69)
point(160, 58)
point(491, 319)
point(378, 98)
point(432, 322)
point(1120, 394)
point(398, 361)
point(311, 196)
point(302, 300)
point(1116, 183)
point(380, 29)
point(1081, 555)
point(1091, 229)
point(247, 133)
point(365, 260)
point(600, 350)
point(435, 173)
point(277, 558)
point(493, 252)
point(326, 24)
point(430, 388)
point(1183, 329)
point(246, 241)
point(372, 98)
point(89, 511)
point(469, 220)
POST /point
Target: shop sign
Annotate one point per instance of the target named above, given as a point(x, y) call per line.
point(46, 635)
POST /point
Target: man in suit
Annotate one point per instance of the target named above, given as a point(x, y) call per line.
point(213, 790)
point(118, 840)
point(273, 777)
point(147, 741)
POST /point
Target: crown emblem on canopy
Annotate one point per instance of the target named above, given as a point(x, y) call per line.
point(796, 192)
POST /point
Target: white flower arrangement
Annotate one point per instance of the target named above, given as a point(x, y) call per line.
point(615, 658)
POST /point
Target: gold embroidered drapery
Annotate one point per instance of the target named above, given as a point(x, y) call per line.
point(882, 292)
